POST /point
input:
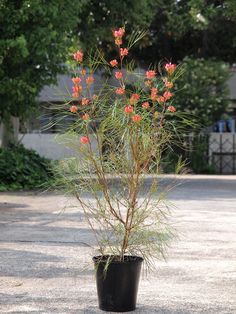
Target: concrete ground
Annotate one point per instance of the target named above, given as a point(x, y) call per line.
point(45, 265)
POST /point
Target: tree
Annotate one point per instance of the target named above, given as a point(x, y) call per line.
point(196, 28)
point(203, 90)
point(101, 16)
point(35, 35)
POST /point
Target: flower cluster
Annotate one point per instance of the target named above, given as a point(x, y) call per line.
point(155, 104)
point(118, 34)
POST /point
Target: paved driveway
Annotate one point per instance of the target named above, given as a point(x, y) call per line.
point(45, 264)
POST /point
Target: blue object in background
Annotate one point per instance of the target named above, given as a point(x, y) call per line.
point(230, 125)
point(221, 126)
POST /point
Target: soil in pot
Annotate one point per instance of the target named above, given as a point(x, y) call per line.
point(117, 282)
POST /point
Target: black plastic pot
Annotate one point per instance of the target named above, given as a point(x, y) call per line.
point(117, 286)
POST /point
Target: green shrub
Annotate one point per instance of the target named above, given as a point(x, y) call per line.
point(198, 158)
point(21, 168)
point(203, 90)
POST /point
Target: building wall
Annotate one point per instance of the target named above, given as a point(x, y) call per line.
point(53, 146)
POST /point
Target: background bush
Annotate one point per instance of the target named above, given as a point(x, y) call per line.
point(21, 168)
point(203, 90)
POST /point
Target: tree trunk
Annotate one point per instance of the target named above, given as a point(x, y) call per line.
point(9, 132)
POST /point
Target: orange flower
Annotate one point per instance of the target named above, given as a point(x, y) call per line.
point(84, 140)
point(119, 33)
point(118, 75)
point(134, 98)
point(83, 72)
point(146, 105)
point(128, 109)
point(160, 99)
point(78, 56)
point(95, 97)
point(154, 92)
point(73, 109)
point(136, 118)
point(150, 74)
point(76, 88)
point(75, 95)
point(120, 91)
point(124, 52)
point(171, 109)
point(113, 63)
point(85, 116)
point(148, 83)
point(170, 68)
point(167, 95)
point(76, 80)
point(118, 41)
point(89, 80)
point(168, 84)
point(84, 101)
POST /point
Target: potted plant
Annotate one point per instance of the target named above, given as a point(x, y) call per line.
point(120, 135)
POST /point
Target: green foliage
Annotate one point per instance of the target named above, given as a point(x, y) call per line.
point(198, 158)
point(35, 35)
point(197, 28)
point(177, 28)
point(21, 168)
point(135, 124)
point(202, 90)
point(100, 17)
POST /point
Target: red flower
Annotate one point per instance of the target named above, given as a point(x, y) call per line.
point(76, 80)
point(113, 63)
point(128, 109)
point(124, 52)
point(150, 74)
point(136, 118)
point(118, 75)
point(84, 101)
point(73, 109)
point(84, 140)
point(146, 105)
point(167, 95)
point(120, 91)
point(78, 56)
point(171, 109)
point(89, 80)
point(85, 116)
point(170, 68)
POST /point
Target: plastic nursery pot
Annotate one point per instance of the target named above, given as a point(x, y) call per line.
point(117, 286)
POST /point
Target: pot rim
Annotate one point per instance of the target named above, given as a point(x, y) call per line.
point(103, 259)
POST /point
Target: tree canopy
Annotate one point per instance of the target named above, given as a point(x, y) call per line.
point(197, 28)
point(203, 90)
point(33, 47)
point(36, 36)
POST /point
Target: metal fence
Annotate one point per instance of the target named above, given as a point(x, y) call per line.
point(213, 152)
